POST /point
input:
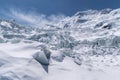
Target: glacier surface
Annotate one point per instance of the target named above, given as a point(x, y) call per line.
point(85, 46)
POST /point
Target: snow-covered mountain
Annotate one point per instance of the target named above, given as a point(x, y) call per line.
point(85, 46)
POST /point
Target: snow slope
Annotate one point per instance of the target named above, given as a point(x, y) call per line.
point(85, 46)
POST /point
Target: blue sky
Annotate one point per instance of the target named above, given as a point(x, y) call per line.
point(67, 7)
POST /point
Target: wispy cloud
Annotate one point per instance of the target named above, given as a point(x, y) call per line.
point(33, 18)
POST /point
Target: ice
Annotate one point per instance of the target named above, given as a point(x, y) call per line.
point(84, 46)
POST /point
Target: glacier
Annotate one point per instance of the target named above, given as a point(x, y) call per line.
point(85, 46)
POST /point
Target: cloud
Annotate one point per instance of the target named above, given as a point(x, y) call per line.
point(32, 18)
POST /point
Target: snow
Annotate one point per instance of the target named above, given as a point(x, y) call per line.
point(84, 46)
point(18, 62)
point(19, 50)
point(5, 24)
point(68, 70)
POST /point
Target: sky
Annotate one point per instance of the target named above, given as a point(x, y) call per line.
point(30, 11)
point(67, 7)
